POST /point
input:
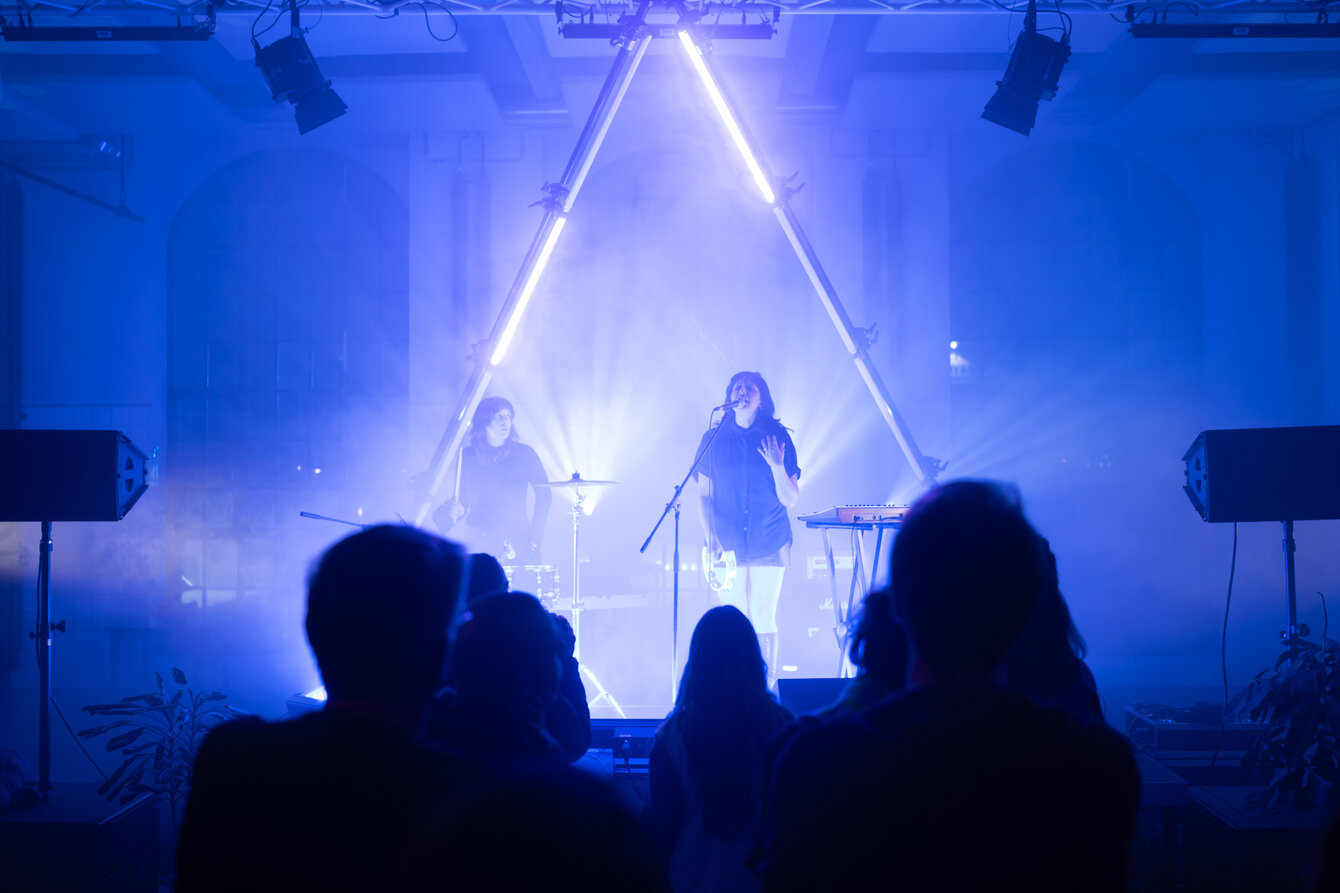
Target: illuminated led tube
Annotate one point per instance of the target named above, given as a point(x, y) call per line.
point(696, 58)
point(541, 261)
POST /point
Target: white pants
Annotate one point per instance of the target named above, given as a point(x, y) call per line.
point(755, 592)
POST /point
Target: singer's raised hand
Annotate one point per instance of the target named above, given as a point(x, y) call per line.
point(772, 451)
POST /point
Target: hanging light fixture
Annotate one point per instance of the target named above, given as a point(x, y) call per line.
point(292, 73)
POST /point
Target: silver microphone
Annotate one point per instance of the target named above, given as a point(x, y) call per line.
point(729, 405)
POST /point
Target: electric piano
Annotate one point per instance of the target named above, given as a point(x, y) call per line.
point(858, 519)
point(869, 516)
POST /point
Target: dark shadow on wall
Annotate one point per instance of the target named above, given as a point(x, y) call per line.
point(288, 383)
point(1078, 373)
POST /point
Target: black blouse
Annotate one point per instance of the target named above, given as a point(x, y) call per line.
point(749, 518)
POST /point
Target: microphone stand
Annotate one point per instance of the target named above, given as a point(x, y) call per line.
point(674, 504)
point(316, 517)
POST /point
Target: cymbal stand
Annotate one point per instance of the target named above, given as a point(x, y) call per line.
point(603, 694)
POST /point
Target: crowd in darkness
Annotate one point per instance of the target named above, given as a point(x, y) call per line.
point(969, 753)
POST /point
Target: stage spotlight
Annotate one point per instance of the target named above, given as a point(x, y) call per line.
point(307, 702)
point(1031, 75)
point(291, 71)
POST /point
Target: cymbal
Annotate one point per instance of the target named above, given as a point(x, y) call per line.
point(575, 482)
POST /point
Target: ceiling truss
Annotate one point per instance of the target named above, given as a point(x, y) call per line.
point(569, 11)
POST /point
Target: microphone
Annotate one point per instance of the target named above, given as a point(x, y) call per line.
point(728, 405)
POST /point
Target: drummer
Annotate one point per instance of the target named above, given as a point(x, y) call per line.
point(500, 506)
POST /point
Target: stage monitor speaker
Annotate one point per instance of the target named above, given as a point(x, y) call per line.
point(70, 475)
point(1265, 474)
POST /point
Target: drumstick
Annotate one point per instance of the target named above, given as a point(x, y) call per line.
point(460, 457)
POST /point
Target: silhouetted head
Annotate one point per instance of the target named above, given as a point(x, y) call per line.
point(379, 607)
point(725, 715)
point(534, 828)
point(766, 408)
point(724, 659)
point(497, 412)
point(967, 570)
point(879, 642)
point(486, 576)
point(507, 649)
point(1050, 647)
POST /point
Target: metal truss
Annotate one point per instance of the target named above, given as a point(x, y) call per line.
point(604, 11)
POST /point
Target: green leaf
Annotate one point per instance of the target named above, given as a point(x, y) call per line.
point(158, 680)
point(147, 697)
point(111, 709)
point(102, 730)
point(113, 778)
point(178, 676)
point(139, 748)
point(120, 741)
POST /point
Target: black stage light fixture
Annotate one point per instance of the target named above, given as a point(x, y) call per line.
point(1032, 75)
point(292, 73)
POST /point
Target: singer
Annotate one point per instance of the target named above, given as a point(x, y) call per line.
point(496, 490)
point(747, 480)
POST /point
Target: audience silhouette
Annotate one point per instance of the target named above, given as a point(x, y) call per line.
point(323, 801)
point(568, 716)
point(969, 753)
point(958, 782)
point(487, 576)
point(707, 763)
point(1047, 660)
point(878, 650)
point(504, 673)
point(539, 828)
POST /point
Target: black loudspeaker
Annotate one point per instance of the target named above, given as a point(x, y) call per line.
point(69, 475)
point(1265, 474)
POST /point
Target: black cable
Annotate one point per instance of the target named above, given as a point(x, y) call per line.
point(1223, 651)
point(1135, 18)
point(1325, 623)
point(320, 15)
point(576, 11)
point(455, 26)
point(75, 736)
point(81, 7)
point(423, 4)
point(256, 21)
point(1191, 8)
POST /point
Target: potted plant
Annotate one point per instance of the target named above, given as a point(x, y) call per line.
point(158, 734)
point(1298, 752)
point(1267, 835)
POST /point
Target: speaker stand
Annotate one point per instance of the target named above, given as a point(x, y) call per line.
point(43, 636)
point(1293, 632)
